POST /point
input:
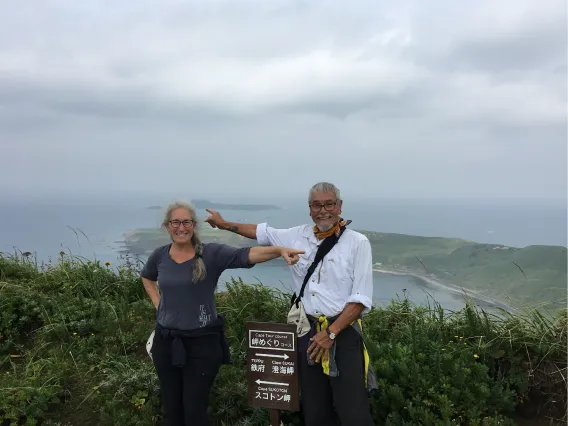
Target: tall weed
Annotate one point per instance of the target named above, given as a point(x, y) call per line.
point(73, 334)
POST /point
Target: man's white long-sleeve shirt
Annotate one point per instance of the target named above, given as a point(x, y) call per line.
point(344, 276)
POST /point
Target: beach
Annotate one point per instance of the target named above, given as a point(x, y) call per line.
point(451, 288)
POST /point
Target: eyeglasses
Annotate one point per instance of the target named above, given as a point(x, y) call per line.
point(328, 206)
point(185, 223)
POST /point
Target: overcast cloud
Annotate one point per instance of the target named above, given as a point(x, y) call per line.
point(408, 98)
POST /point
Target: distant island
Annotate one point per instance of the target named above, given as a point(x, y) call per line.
point(206, 204)
point(533, 275)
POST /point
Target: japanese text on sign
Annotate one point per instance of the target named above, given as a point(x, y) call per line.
point(271, 340)
point(272, 366)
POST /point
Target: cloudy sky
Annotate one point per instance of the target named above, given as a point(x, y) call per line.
point(406, 98)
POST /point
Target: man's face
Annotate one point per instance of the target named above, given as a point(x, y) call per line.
point(325, 210)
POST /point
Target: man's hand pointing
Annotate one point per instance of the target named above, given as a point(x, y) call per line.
point(215, 220)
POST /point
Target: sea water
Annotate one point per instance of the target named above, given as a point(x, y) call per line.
point(94, 228)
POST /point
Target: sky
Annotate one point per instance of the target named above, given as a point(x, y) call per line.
point(410, 99)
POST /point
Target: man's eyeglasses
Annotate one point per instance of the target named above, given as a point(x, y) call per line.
point(185, 223)
point(328, 206)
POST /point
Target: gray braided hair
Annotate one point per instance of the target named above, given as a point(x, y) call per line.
point(199, 270)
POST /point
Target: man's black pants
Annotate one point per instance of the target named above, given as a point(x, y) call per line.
point(185, 391)
point(342, 400)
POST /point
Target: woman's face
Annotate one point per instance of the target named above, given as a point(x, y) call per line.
point(181, 226)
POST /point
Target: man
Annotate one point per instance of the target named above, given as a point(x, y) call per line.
point(338, 293)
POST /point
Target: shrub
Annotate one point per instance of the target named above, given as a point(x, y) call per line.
point(31, 389)
point(72, 349)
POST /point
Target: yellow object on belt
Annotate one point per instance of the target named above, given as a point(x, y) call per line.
point(323, 324)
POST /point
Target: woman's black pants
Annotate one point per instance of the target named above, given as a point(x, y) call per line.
point(185, 390)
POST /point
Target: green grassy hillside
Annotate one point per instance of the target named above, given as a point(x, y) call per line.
point(534, 274)
point(72, 352)
point(143, 241)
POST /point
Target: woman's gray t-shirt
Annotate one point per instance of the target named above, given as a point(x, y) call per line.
point(185, 305)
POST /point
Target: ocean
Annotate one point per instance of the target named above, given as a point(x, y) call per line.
point(94, 228)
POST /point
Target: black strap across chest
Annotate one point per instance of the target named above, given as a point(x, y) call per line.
point(323, 249)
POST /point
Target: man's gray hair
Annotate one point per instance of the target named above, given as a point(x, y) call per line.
point(199, 270)
point(324, 187)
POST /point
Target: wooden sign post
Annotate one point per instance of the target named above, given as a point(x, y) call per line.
point(272, 368)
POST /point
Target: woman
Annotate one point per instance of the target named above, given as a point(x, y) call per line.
point(189, 345)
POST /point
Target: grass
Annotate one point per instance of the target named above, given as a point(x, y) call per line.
point(72, 352)
point(529, 275)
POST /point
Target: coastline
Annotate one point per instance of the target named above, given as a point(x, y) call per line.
point(471, 294)
point(140, 241)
